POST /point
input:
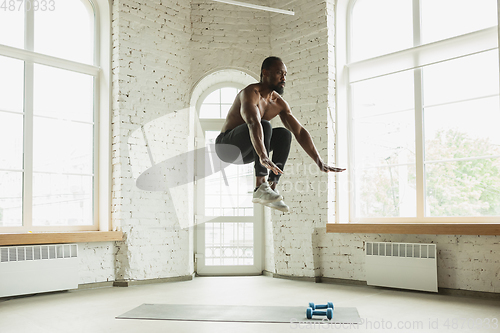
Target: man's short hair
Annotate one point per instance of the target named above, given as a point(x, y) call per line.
point(268, 63)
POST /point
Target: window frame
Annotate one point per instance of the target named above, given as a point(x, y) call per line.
point(101, 73)
point(344, 208)
point(211, 124)
point(210, 90)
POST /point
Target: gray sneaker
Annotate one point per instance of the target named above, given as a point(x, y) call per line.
point(265, 194)
point(279, 205)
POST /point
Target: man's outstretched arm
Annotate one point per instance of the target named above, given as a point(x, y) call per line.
point(304, 139)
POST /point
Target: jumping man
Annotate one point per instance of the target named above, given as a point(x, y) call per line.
point(248, 128)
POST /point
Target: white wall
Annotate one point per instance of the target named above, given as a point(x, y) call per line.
point(160, 52)
point(161, 49)
point(302, 42)
point(151, 84)
point(227, 36)
point(464, 262)
point(96, 262)
point(302, 247)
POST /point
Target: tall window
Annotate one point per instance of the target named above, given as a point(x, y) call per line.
point(229, 228)
point(48, 108)
point(423, 110)
point(227, 193)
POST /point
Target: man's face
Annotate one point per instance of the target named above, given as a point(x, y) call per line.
point(277, 77)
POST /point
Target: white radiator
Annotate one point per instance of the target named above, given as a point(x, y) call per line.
point(38, 268)
point(401, 265)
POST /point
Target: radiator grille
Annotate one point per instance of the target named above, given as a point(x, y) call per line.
point(403, 250)
point(30, 269)
point(401, 265)
point(38, 252)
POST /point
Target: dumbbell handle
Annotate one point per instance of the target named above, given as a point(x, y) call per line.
point(321, 306)
point(319, 313)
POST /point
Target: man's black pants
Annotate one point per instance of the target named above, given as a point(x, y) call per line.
point(276, 140)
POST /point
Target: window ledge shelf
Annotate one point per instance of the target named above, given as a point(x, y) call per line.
point(60, 237)
point(416, 228)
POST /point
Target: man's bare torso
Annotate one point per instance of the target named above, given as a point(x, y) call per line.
point(268, 108)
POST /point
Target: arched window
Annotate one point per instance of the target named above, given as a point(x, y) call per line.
point(217, 103)
point(419, 83)
point(52, 100)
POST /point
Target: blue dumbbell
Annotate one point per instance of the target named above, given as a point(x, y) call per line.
point(328, 305)
point(328, 313)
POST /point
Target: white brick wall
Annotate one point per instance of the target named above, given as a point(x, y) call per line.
point(151, 81)
point(161, 49)
point(227, 36)
point(464, 262)
point(301, 245)
point(96, 262)
point(302, 42)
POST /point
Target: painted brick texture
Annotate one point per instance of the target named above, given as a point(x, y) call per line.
point(96, 262)
point(227, 36)
point(161, 49)
point(464, 262)
point(302, 42)
point(301, 245)
point(151, 81)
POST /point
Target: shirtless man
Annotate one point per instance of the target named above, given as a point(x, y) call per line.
point(248, 128)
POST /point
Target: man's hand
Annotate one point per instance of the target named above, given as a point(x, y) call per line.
point(266, 161)
point(326, 168)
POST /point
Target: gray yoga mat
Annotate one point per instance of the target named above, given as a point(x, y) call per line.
point(223, 313)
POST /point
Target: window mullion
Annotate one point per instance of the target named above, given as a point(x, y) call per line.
point(29, 29)
point(351, 182)
point(28, 123)
point(416, 23)
point(419, 143)
point(419, 118)
point(28, 145)
point(101, 222)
